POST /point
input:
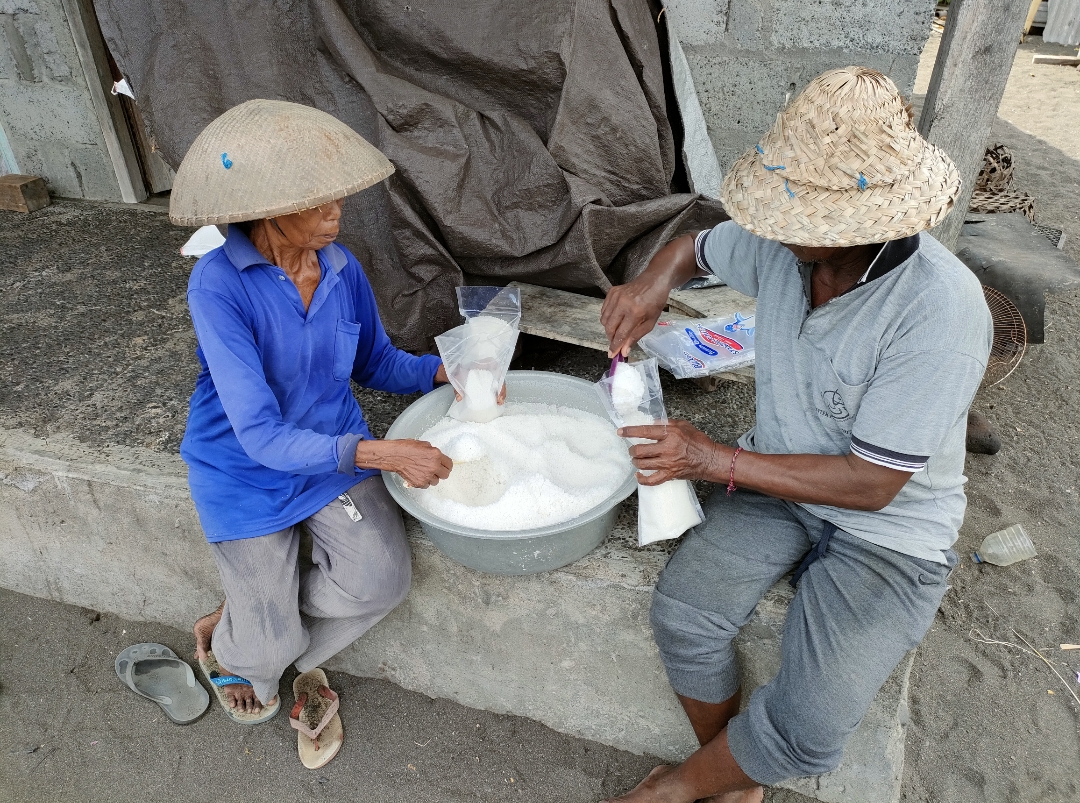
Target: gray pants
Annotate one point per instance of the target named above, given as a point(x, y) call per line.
point(857, 611)
point(276, 613)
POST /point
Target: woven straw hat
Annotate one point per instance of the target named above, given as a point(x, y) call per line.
point(842, 166)
point(266, 158)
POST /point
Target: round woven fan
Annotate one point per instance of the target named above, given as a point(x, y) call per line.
point(1010, 337)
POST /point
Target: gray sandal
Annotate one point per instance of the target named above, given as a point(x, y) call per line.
point(153, 671)
point(136, 652)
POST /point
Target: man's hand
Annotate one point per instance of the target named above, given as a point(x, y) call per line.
point(419, 463)
point(680, 452)
point(630, 312)
point(841, 480)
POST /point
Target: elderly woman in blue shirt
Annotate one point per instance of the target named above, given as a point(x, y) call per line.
point(275, 439)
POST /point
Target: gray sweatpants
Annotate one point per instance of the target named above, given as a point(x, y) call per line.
point(276, 614)
point(857, 611)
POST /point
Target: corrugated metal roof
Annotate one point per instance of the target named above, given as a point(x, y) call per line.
point(1063, 22)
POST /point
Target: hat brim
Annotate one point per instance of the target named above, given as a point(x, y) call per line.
point(765, 203)
point(242, 209)
point(266, 158)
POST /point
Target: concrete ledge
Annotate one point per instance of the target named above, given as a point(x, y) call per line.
point(115, 530)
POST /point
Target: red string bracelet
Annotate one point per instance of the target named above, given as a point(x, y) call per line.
point(731, 473)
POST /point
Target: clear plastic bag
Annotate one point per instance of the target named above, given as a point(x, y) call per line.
point(503, 303)
point(696, 347)
point(632, 396)
point(477, 354)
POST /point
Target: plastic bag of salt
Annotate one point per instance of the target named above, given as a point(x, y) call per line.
point(632, 396)
point(478, 353)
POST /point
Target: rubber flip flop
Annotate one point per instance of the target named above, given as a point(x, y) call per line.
point(315, 716)
point(171, 684)
point(218, 678)
point(136, 652)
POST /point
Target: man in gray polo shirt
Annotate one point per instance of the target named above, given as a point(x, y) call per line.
point(871, 341)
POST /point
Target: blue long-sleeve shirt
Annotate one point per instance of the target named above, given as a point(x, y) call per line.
point(273, 424)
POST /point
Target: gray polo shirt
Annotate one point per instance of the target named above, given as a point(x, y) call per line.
point(885, 371)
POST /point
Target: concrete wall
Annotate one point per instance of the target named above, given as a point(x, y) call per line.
point(749, 57)
point(746, 58)
point(47, 113)
point(115, 530)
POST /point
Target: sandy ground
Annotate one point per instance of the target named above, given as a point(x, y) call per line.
point(990, 722)
point(71, 733)
point(93, 326)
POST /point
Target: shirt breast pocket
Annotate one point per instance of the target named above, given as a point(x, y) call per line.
point(837, 402)
point(348, 335)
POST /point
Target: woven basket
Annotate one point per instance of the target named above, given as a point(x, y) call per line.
point(986, 202)
point(992, 193)
point(997, 170)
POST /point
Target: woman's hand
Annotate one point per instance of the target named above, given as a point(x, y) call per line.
point(419, 463)
point(442, 379)
point(681, 452)
point(501, 398)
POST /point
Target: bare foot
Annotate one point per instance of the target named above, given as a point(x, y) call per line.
point(204, 632)
point(645, 792)
point(240, 695)
point(755, 795)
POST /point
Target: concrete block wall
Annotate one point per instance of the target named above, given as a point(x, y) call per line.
point(115, 530)
point(48, 123)
point(747, 58)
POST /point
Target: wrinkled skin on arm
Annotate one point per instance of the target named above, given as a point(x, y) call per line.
point(631, 310)
point(681, 451)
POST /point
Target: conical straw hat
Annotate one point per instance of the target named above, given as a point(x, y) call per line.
point(842, 166)
point(265, 158)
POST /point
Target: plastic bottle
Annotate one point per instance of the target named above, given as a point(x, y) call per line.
point(1005, 547)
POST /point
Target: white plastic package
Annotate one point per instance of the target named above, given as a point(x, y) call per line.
point(477, 354)
point(632, 396)
point(696, 347)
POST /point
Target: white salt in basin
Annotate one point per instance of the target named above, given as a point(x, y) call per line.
point(585, 471)
point(533, 466)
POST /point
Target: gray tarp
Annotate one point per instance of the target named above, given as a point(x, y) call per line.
point(531, 137)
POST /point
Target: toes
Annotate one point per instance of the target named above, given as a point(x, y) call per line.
point(242, 699)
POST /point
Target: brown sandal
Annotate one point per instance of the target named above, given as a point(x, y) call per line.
point(315, 718)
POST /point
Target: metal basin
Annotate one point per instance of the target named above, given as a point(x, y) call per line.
point(518, 551)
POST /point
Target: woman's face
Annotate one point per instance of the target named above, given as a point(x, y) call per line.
point(312, 228)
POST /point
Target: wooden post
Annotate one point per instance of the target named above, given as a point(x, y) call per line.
point(973, 64)
point(91, 51)
point(1032, 11)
